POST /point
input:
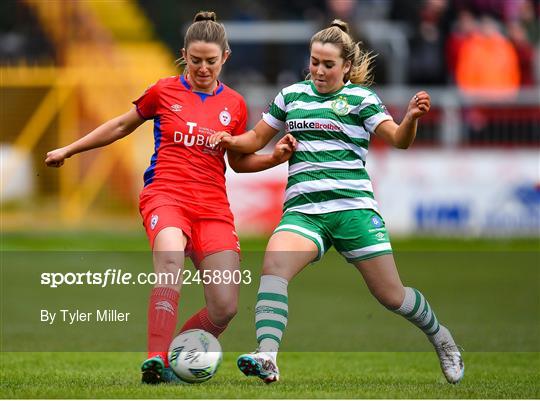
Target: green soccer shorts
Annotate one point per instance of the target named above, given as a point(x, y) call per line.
point(357, 234)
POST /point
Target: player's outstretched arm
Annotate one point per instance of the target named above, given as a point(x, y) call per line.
point(103, 135)
point(242, 163)
point(249, 142)
point(402, 136)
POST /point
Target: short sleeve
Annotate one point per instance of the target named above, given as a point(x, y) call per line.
point(372, 113)
point(240, 127)
point(276, 114)
point(147, 104)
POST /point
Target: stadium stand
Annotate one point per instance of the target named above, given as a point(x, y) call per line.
point(66, 66)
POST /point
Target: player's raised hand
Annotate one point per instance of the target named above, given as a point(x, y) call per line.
point(284, 149)
point(419, 104)
point(56, 157)
point(221, 138)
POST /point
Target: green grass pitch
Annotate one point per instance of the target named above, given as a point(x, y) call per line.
point(304, 375)
point(339, 343)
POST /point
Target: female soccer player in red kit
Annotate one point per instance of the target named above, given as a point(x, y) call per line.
point(184, 204)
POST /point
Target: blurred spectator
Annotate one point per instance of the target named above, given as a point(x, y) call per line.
point(342, 9)
point(433, 29)
point(524, 50)
point(464, 26)
point(507, 10)
point(487, 62)
point(370, 10)
point(529, 18)
point(427, 64)
point(292, 9)
point(494, 8)
point(406, 11)
point(21, 36)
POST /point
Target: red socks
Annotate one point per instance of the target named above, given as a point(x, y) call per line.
point(162, 318)
point(200, 320)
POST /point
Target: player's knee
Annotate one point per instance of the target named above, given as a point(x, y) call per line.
point(391, 299)
point(229, 311)
point(168, 264)
point(223, 313)
point(273, 266)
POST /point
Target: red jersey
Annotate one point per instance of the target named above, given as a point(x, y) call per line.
point(183, 165)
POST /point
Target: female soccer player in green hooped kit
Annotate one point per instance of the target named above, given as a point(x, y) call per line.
point(329, 198)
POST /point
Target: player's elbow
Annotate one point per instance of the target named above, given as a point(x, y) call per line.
point(236, 165)
point(402, 145)
point(124, 125)
point(236, 168)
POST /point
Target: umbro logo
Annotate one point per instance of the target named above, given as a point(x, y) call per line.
point(166, 306)
point(176, 107)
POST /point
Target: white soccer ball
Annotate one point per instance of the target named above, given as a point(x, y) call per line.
point(195, 356)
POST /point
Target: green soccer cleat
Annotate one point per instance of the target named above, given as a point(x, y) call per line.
point(259, 364)
point(153, 370)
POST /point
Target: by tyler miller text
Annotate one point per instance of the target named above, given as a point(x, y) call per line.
point(77, 316)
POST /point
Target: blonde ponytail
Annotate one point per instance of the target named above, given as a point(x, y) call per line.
point(338, 34)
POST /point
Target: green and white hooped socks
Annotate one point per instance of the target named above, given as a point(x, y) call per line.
point(271, 312)
point(415, 308)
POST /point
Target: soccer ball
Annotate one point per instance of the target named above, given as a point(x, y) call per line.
point(195, 355)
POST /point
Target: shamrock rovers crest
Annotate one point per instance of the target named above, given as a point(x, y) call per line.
point(340, 106)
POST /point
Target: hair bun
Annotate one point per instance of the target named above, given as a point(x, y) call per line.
point(205, 16)
point(341, 25)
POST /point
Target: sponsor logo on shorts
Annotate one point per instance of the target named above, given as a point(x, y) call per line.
point(225, 117)
point(380, 236)
point(153, 221)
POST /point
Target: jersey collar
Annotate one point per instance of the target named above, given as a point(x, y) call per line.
point(327, 94)
point(203, 96)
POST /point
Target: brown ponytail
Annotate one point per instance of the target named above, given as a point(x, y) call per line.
point(205, 28)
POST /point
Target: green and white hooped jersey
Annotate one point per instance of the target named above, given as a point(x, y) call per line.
point(327, 172)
